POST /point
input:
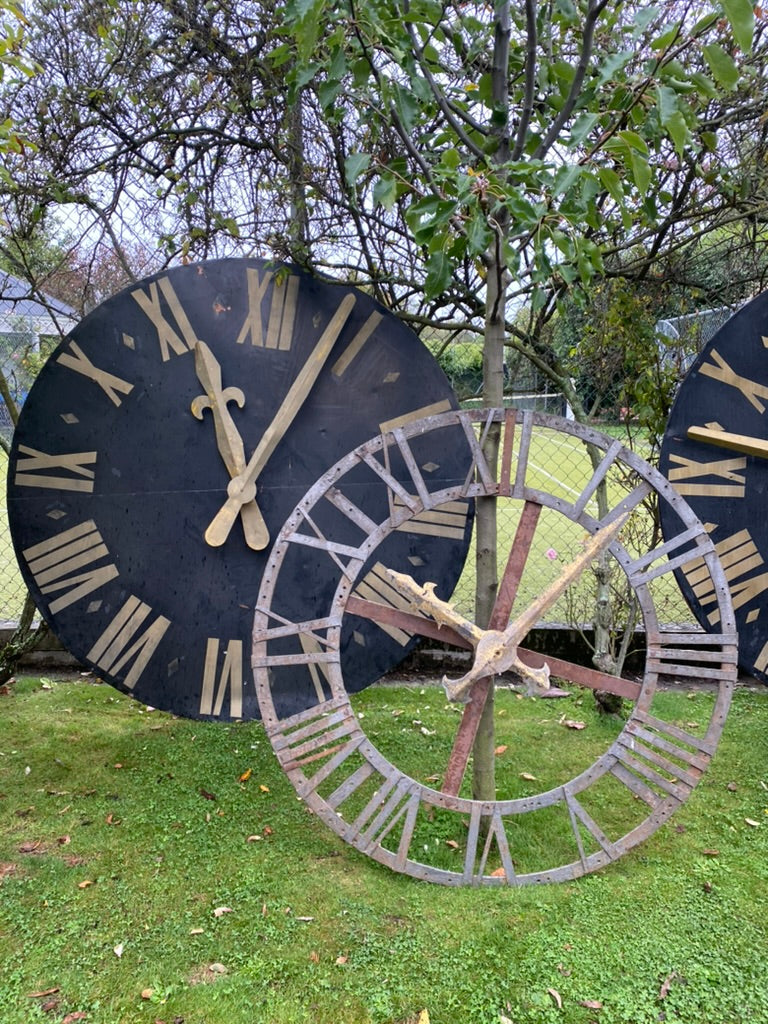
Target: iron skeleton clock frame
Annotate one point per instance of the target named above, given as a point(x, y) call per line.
point(550, 821)
point(715, 452)
point(165, 442)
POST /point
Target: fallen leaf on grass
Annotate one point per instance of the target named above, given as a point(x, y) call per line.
point(556, 998)
point(711, 853)
point(527, 776)
point(6, 869)
point(423, 1017)
point(498, 873)
point(112, 820)
point(752, 823)
point(253, 839)
point(341, 960)
point(35, 846)
point(732, 787)
point(569, 723)
point(208, 796)
point(246, 775)
point(591, 1004)
point(147, 993)
point(305, 919)
point(452, 843)
point(264, 789)
point(501, 750)
point(314, 957)
point(220, 911)
point(64, 840)
point(118, 950)
point(217, 969)
point(77, 1015)
point(84, 884)
point(666, 985)
point(196, 931)
point(49, 1006)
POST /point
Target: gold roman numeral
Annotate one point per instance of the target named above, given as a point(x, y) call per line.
point(448, 520)
point(112, 386)
point(687, 477)
point(116, 647)
point(66, 565)
point(739, 556)
point(374, 587)
point(167, 336)
point(278, 332)
point(217, 680)
point(353, 348)
point(719, 369)
point(39, 469)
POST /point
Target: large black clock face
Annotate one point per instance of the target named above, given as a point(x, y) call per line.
point(167, 439)
point(715, 453)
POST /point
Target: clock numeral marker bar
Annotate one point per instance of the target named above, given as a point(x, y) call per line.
point(66, 562)
point(114, 649)
point(448, 520)
point(690, 469)
point(353, 348)
point(282, 310)
point(580, 817)
point(738, 556)
point(474, 867)
point(167, 337)
point(36, 470)
point(641, 570)
point(395, 803)
point(719, 369)
point(375, 587)
point(230, 677)
point(112, 385)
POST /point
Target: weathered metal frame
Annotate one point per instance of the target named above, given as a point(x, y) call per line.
point(328, 733)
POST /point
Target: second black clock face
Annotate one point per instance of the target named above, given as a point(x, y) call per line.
point(165, 442)
point(715, 453)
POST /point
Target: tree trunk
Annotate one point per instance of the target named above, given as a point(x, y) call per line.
point(22, 640)
point(483, 764)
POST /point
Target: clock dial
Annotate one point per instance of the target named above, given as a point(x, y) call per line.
point(409, 806)
point(714, 453)
point(166, 440)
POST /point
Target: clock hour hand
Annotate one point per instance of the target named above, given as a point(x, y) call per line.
point(228, 439)
point(734, 442)
point(242, 488)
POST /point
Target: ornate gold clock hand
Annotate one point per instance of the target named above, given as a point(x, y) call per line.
point(734, 442)
point(228, 438)
point(242, 488)
point(496, 652)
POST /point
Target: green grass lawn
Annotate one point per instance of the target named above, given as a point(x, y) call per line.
point(123, 832)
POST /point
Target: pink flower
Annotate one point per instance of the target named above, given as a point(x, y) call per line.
point(551, 554)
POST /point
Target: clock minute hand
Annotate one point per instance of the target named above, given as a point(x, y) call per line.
point(242, 488)
point(228, 438)
point(734, 442)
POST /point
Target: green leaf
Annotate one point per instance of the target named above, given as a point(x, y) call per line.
point(385, 192)
point(678, 131)
point(581, 127)
point(741, 15)
point(565, 177)
point(722, 66)
point(634, 141)
point(439, 270)
point(478, 233)
point(355, 165)
point(611, 182)
point(641, 172)
point(672, 118)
